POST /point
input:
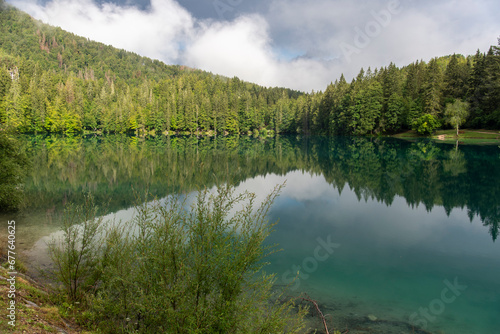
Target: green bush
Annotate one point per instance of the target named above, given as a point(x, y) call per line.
point(77, 254)
point(426, 124)
point(186, 270)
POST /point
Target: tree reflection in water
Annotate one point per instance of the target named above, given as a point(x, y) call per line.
point(423, 172)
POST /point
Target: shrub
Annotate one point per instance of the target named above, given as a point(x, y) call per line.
point(77, 254)
point(426, 124)
point(190, 270)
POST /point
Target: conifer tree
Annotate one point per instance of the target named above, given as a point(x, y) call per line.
point(433, 83)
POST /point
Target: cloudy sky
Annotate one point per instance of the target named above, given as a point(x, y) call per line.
point(301, 44)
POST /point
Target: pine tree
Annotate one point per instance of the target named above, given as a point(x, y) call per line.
point(392, 117)
point(5, 82)
point(415, 110)
point(14, 107)
point(414, 80)
point(326, 107)
point(477, 91)
point(391, 82)
point(372, 107)
point(53, 120)
point(491, 102)
point(456, 79)
point(340, 97)
point(433, 83)
point(393, 100)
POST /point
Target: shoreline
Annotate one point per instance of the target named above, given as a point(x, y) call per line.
point(451, 134)
point(35, 309)
point(38, 310)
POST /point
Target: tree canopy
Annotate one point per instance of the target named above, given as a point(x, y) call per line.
point(54, 81)
point(457, 113)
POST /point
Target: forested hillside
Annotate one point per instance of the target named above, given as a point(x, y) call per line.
point(55, 81)
point(415, 96)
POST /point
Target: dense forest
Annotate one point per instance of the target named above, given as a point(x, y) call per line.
point(56, 82)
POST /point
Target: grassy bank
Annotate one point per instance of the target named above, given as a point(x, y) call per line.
point(37, 310)
point(465, 136)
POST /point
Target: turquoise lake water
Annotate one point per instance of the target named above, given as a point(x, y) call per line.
point(389, 261)
point(403, 231)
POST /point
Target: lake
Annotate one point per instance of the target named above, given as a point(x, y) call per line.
point(388, 235)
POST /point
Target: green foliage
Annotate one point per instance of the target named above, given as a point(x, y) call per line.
point(67, 84)
point(433, 88)
point(76, 255)
point(110, 166)
point(70, 83)
point(177, 270)
point(456, 78)
point(426, 124)
point(484, 90)
point(457, 113)
point(395, 110)
point(68, 166)
point(14, 166)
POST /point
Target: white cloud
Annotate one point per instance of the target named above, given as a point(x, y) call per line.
point(249, 46)
point(299, 185)
point(243, 48)
point(405, 30)
point(238, 48)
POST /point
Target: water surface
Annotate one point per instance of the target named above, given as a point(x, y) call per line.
point(411, 225)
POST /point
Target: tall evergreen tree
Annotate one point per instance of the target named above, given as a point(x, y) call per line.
point(433, 88)
point(456, 78)
point(477, 90)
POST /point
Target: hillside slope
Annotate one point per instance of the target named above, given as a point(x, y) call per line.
point(54, 81)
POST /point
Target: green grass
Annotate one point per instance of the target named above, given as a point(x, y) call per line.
point(45, 318)
point(471, 134)
point(468, 136)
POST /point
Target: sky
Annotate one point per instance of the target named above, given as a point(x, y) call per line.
point(298, 44)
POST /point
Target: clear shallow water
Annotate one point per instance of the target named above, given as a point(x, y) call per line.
point(405, 220)
point(390, 262)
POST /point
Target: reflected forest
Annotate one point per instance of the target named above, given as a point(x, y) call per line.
point(112, 167)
